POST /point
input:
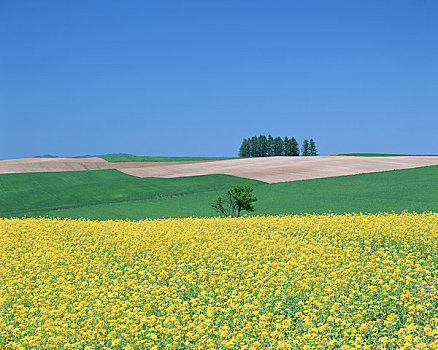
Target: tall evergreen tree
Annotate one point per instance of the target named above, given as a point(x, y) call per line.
point(305, 149)
point(256, 146)
point(259, 148)
point(263, 144)
point(294, 149)
point(244, 150)
point(278, 146)
point(312, 148)
point(291, 147)
point(253, 146)
point(270, 146)
point(286, 146)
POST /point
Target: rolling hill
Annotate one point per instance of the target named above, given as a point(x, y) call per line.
point(109, 194)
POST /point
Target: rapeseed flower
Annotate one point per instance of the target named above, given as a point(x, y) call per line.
point(353, 281)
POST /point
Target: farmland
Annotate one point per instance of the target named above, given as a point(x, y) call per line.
point(384, 155)
point(266, 169)
point(117, 159)
point(328, 278)
point(40, 193)
point(109, 194)
point(293, 282)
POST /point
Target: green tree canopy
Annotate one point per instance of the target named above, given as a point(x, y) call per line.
point(270, 146)
point(305, 149)
point(262, 146)
point(312, 148)
point(294, 149)
point(244, 150)
point(291, 147)
point(239, 198)
point(286, 146)
point(253, 146)
point(278, 146)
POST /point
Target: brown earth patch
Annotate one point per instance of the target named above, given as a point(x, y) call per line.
point(38, 165)
point(271, 170)
point(281, 169)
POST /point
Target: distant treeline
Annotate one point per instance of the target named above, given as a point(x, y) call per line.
point(262, 146)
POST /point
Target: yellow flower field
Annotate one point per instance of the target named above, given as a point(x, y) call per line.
point(291, 282)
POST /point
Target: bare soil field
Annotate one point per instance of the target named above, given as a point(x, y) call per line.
point(38, 165)
point(281, 169)
point(271, 170)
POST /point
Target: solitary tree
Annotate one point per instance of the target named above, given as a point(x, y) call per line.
point(312, 148)
point(225, 207)
point(239, 198)
point(305, 149)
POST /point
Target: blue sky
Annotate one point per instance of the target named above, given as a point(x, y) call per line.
point(195, 77)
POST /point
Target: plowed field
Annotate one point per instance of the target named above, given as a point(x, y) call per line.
point(271, 170)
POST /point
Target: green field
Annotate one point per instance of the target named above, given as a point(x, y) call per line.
point(109, 194)
point(40, 193)
point(383, 155)
point(114, 159)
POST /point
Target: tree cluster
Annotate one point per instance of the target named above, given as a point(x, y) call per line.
point(262, 146)
point(309, 148)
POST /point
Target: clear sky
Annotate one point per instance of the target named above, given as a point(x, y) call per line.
point(193, 78)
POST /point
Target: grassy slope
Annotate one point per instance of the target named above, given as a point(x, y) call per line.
point(39, 193)
point(381, 155)
point(398, 190)
point(157, 159)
